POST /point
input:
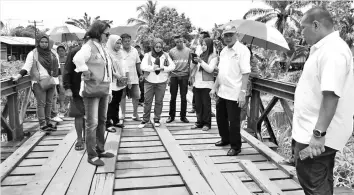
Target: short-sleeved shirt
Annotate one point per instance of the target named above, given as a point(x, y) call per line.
point(233, 63)
point(130, 59)
point(181, 60)
point(328, 68)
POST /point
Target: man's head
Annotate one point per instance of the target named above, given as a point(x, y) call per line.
point(316, 24)
point(138, 48)
point(179, 42)
point(229, 35)
point(204, 34)
point(61, 50)
point(126, 41)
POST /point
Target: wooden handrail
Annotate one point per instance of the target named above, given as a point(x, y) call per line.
point(10, 89)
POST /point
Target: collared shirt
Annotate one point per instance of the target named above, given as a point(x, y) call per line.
point(328, 68)
point(130, 59)
point(233, 63)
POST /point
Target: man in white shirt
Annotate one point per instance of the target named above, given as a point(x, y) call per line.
point(323, 107)
point(230, 86)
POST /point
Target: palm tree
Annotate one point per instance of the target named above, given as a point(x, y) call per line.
point(147, 12)
point(86, 22)
point(2, 25)
point(283, 11)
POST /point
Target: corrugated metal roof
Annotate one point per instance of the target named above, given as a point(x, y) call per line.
point(17, 40)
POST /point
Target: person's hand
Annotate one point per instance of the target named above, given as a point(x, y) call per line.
point(87, 75)
point(15, 78)
point(129, 86)
point(141, 78)
point(156, 67)
point(316, 146)
point(216, 70)
point(168, 81)
point(197, 59)
point(68, 93)
point(109, 98)
point(212, 94)
point(241, 99)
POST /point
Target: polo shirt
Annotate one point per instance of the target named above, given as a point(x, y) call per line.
point(233, 63)
point(130, 59)
point(328, 68)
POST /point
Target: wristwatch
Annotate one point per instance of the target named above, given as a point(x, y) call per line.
point(318, 133)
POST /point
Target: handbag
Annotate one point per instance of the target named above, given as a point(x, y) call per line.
point(47, 82)
point(96, 88)
point(120, 82)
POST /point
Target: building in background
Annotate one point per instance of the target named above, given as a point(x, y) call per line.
point(16, 47)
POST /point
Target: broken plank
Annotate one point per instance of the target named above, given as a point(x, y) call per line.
point(212, 175)
point(112, 145)
point(102, 184)
point(237, 185)
point(263, 181)
point(146, 172)
point(155, 191)
point(141, 150)
point(144, 156)
point(82, 179)
point(144, 164)
point(12, 161)
point(193, 180)
point(49, 169)
point(148, 182)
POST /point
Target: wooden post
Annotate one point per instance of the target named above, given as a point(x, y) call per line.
point(263, 117)
point(269, 126)
point(24, 105)
point(14, 119)
point(254, 111)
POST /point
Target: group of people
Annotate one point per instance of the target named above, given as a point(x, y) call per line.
point(100, 74)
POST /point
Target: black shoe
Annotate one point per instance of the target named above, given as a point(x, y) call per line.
point(222, 143)
point(170, 119)
point(212, 114)
point(185, 120)
point(105, 155)
point(233, 152)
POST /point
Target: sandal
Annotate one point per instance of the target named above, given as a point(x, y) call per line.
point(79, 146)
point(111, 130)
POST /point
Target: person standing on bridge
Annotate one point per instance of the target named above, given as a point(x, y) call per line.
point(323, 106)
point(95, 64)
point(230, 87)
point(40, 64)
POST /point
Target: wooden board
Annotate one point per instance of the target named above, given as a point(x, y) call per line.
point(287, 184)
point(155, 191)
point(144, 164)
point(148, 182)
point(146, 172)
point(196, 136)
point(141, 150)
point(186, 131)
point(144, 156)
point(12, 161)
point(39, 155)
point(270, 154)
point(12, 190)
point(232, 167)
point(42, 179)
point(44, 148)
point(32, 162)
point(271, 174)
point(16, 180)
point(139, 139)
point(111, 145)
point(223, 152)
point(49, 142)
point(209, 147)
point(140, 144)
point(263, 181)
point(212, 175)
point(237, 185)
point(193, 180)
point(198, 141)
point(26, 170)
point(102, 184)
point(136, 133)
point(233, 159)
point(82, 179)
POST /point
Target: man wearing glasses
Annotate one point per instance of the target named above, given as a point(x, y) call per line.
point(179, 78)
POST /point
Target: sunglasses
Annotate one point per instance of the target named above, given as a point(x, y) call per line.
point(107, 34)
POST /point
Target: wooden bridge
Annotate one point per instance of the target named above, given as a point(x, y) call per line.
point(171, 159)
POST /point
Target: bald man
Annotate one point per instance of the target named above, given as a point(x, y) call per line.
point(324, 106)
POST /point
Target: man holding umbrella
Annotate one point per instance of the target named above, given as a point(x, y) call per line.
point(230, 88)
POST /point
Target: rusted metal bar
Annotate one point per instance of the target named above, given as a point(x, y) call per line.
point(254, 112)
point(9, 87)
point(24, 105)
point(280, 89)
point(264, 115)
point(269, 126)
point(14, 119)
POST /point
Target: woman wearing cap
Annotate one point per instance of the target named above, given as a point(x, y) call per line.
point(41, 63)
point(156, 64)
point(120, 75)
point(203, 82)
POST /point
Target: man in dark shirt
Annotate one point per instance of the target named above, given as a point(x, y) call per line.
point(71, 82)
point(141, 81)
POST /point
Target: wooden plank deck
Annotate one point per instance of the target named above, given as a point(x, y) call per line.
point(148, 161)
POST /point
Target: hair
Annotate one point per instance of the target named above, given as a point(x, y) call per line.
point(96, 29)
point(60, 46)
point(177, 37)
point(321, 15)
point(125, 36)
point(205, 34)
point(137, 47)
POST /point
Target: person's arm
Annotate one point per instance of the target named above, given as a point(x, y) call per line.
point(81, 57)
point(68, 70)
point(138, 62)
point(145, 64)
point(211, 66)
point(26, 67)
point(245, 68)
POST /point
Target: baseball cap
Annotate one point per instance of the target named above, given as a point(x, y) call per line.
point(229, 29)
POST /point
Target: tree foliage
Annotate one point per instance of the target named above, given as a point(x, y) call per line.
point(85, 22)
point(28, 31)
point(146, 14)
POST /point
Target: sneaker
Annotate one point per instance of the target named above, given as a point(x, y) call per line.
point(95, 161)
point(142, 125)
point(157, 123)
point(57, 119)
point(205, 128)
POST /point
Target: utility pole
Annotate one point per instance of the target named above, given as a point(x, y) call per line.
point(35, 22)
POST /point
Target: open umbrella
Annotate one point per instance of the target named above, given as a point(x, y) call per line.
point(260, 34)
point(65, 33)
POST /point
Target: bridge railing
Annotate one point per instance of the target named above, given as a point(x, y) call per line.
point(14, 109)
point(281, 91)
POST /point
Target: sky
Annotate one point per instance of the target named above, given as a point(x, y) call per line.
point(203, 14)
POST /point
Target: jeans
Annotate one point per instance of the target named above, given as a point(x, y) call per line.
point(96, 116)
point(228, 120)
point(113, 108)
point(55, 110)
point(44, 103)
point(141, 86)
point(193, 102)
point(151, 90)
point(203, 106)
point(315, 175)
point(182, 82)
